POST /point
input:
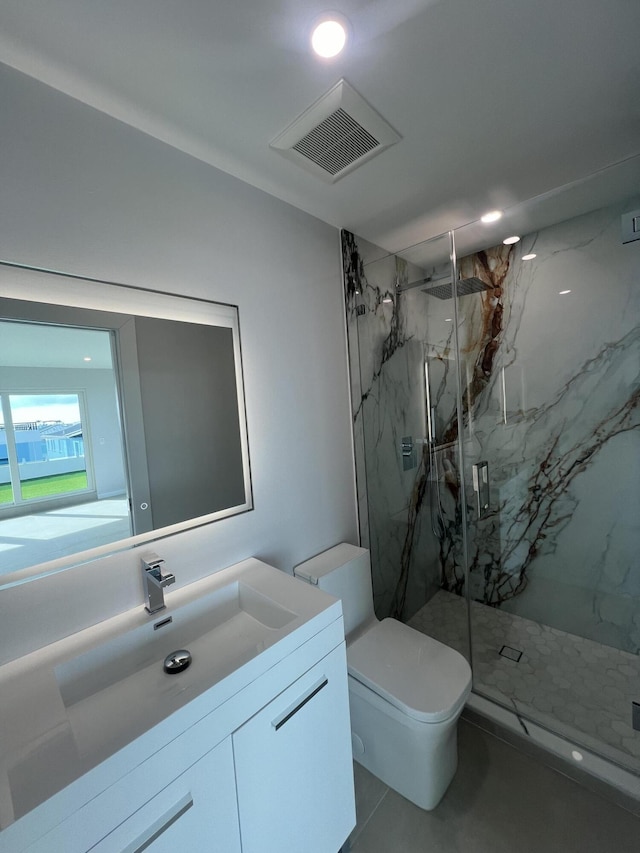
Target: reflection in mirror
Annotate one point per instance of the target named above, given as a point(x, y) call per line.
point(116, 425)
point(63, 482)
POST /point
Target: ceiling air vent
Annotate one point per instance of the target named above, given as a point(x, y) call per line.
point(335, 135)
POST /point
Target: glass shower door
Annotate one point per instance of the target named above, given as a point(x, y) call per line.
point(549, 372)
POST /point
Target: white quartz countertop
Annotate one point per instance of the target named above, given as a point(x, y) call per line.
point(48, 742)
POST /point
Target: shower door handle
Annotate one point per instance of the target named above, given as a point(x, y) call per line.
point(481, 487)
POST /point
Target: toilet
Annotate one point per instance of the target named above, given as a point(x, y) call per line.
point(406, 690)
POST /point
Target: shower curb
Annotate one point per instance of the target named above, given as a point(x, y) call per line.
point(614, 783)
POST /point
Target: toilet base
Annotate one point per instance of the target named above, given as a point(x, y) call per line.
point(416, 759)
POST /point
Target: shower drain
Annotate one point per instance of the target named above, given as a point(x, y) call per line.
point(511, 653)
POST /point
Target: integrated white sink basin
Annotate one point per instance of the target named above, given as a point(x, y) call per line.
point(118, 688)
point(221, 630)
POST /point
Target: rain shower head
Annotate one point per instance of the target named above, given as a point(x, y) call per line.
point(440, 286)
point(465, 286)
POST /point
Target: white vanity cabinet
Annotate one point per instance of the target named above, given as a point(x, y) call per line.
point(260, 762)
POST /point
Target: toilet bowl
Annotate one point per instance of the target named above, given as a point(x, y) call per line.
point(406, 690)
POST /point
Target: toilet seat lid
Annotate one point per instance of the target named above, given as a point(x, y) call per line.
point(419, 675)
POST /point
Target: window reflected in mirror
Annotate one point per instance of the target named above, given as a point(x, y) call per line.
point(63, 480)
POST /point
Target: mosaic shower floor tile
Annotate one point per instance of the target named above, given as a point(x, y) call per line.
point(576, 687)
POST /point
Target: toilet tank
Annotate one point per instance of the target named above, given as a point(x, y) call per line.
point(345, 572)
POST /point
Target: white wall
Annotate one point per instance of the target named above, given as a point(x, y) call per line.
point(85, 194)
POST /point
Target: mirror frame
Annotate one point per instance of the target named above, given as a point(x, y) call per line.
point(50, 288)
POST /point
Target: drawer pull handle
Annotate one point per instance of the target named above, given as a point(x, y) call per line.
point(153, 832)
point(280, 721)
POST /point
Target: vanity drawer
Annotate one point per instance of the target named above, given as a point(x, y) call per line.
point(196, 811)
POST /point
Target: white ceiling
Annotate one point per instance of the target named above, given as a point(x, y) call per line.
point(496, 100)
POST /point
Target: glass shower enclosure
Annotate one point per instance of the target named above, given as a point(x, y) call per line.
point(497, 434)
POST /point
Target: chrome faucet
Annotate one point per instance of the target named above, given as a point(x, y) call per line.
point(154, 582)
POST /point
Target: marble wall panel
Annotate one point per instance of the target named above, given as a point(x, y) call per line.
point(387, 361)
point(552, 405)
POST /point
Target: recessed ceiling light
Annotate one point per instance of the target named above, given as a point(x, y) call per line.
point(563, 292)
point(577, 756)
point(508, 241)
point(87, 358)
point(491, 216)
point(449, 320)
point(329, 36)
point(529, 257)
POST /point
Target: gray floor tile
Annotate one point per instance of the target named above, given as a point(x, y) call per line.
point(501, 801)
point(369, 793)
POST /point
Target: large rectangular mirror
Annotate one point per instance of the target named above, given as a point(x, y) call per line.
point(122, 418)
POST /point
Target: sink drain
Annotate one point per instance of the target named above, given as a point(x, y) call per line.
point(177, 661)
